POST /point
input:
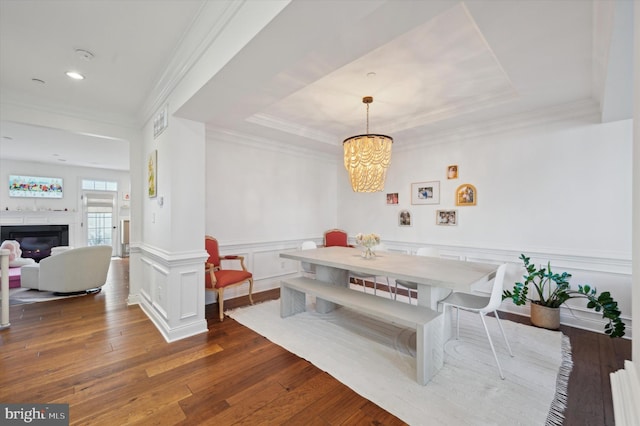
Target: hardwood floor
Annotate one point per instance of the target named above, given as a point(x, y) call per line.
point(108, 361)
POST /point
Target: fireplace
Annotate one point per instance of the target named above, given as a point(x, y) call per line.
point(36, 241)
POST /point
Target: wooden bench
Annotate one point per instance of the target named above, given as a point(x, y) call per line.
point(427, 322)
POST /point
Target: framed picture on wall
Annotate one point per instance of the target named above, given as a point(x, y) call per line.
point(466, 195)
point(425, 192)
point(160, 122)
point(152, 166)
point(452, 171)
point(447, 217)
point(392, 198)
point(404, 218)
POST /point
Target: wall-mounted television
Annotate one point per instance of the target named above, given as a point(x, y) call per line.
point(35, 187)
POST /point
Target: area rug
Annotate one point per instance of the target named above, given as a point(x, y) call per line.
point(21, 296)
point(377, 360)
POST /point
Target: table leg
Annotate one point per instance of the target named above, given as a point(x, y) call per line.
point(428, 296)
point(291, 301)
point(330, 276)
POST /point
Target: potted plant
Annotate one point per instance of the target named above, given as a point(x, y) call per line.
point(550, 290)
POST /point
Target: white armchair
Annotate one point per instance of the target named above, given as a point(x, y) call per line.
point(74, 270)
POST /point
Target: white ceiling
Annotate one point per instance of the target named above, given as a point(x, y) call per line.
point(439, 65)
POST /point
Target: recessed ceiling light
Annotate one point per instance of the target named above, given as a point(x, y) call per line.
point(37, 80)
point(75, 75)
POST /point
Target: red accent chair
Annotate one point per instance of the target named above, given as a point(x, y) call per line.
point(335, 237)
point(218, 279)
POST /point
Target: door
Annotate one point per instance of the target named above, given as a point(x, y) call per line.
point(99, 224)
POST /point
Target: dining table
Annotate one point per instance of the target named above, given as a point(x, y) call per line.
point(435, 277)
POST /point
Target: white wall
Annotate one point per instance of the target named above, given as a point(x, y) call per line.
point(563, 191)
point(258, 194)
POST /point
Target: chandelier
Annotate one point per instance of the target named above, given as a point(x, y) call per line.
point(367, 157)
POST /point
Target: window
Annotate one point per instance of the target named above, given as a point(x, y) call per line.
point(99, 185)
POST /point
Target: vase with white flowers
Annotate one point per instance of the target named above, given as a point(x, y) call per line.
point(368, 242)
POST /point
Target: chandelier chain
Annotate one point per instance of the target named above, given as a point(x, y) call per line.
point(367, 118)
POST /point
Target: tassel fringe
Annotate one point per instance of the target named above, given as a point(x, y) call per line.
point(559, 403)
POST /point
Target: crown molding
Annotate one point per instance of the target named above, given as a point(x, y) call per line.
point(586, 111)
point(14, 99)
point(216, 134)
point(272, 122)
point(205, 28)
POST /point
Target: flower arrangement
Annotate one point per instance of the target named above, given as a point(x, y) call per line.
point(367, 240)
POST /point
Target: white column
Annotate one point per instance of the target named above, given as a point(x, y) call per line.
point(635, 250)
point(4, 287)
point(169, 262)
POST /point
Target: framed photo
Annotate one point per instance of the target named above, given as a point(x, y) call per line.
point(452, 171)
point(152, 166)
point(447, 217)
point(160, 122)
point(404, 218)
point(466, 195)
point(392, 198)
point(425, 192)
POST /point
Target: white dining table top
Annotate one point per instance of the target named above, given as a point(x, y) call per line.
point(433, 271)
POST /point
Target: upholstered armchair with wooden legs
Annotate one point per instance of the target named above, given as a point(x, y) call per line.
point(218, 279)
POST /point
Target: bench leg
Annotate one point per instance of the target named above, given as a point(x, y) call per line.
point(291, 301)
point(429, 350)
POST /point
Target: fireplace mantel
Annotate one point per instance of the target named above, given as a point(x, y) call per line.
point(46, 217)
point(38, 217)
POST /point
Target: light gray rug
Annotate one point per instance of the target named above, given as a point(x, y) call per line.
point(21, 296)
point(377, 361)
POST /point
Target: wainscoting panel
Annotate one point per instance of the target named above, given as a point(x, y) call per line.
point(264, 262)
point(172, 290)
point(145, 283)
point(189, 294)
point(159, 292)
point(268, 264)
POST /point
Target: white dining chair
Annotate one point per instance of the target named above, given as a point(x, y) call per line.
point(308, 268)
point(368, 277)
point(410, 285)
point(481, 305)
